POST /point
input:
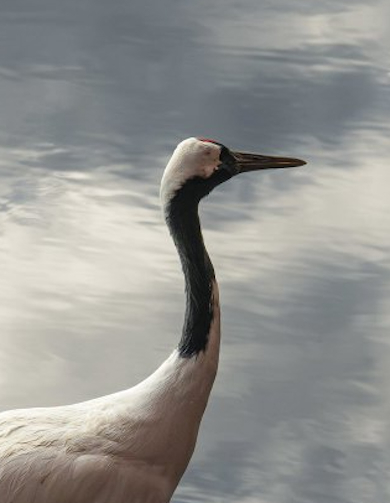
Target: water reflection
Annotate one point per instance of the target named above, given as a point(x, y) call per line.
point(94, 98)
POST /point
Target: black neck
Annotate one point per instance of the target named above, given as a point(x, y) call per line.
point(183, 222)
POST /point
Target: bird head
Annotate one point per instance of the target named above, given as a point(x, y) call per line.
point(198, 165)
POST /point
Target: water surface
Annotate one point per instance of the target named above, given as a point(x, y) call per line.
point(94, 98)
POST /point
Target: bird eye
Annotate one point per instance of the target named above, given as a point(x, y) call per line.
point(225, 156)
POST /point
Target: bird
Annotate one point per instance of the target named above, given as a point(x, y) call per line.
point(133, 446)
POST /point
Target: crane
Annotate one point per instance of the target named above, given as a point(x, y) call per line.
point(133, 446)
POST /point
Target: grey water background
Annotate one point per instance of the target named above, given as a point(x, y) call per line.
point(94, 95)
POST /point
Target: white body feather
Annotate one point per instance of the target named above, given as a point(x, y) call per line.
point(129, 447)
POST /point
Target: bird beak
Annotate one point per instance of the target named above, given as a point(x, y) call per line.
point(246, 161)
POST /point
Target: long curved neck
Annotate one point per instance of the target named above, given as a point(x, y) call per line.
point(183, 222)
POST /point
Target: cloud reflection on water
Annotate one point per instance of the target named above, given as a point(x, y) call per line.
point(91, 296)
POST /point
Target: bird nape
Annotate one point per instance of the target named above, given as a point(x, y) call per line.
point(134, 445)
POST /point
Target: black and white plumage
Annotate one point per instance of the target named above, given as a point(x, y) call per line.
point(134, 446)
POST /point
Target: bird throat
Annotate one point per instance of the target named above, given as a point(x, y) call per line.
point(182, 218)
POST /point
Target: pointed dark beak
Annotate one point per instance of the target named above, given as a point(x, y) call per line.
point(246, 161)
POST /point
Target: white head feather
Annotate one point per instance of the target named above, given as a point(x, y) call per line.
point(192, 157)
